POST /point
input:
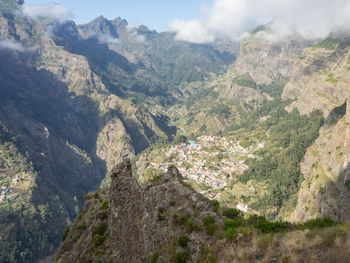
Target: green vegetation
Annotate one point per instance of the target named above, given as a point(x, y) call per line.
point(216, 205)
point(220, 110)
point(290, 135)
point(235, 219)
point(245, 80)
point(328, 43)
point(181, 257)
point(209, 224)
point(332, 79)
point(274, 89)
point(65, 233)
point(155, 257)
point(230, 233)
point(99, 234)
point(182, 241)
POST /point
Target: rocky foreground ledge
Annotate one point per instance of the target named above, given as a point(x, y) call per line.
point(162, 222)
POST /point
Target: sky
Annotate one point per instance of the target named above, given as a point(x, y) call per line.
point(203, 21)
point(155, 14)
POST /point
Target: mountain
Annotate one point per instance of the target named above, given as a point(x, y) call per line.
point(167, 221)
point(75, 100)
point(72, 106)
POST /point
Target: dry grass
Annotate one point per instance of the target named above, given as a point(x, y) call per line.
point(327, 245)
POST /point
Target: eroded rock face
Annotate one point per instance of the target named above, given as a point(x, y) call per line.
point(325, 191)
point(140, 221)
point(267, 61)
point(319, 80)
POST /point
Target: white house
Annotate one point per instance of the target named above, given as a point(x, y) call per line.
point(242, 207)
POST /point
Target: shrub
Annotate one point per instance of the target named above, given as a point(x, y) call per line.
point(230, 233)
point(208, 220)
point(65, 233)
point(216, 205)
point(104, 205)
point(319, 223)
point(97, 240)
point(275, 226)
point(155, 257)
point(191, 226)
point(229, 223)
point(210, 230)
point(183, 240)
point(100, 229)
point(186, 221)
point(181, 257)
point(81, 214)
point(88, 196)
point(231, 213)
point(82, 226)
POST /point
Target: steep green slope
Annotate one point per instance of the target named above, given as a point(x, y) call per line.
point(72, 106)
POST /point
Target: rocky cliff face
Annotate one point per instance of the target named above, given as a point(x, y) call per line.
point(320, 80)
point(320, 77)
point(268, 60)
point(325, 191)
point(129, 223)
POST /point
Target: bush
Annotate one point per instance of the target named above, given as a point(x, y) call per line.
point(229, 223)
point(208, 220)
point(191, 226)
point(181, 257)
point(183, 240)
point(100, 229)
point(275, 226)
point(216, 205)
point(65, 233)
point(97, 240)
point(155, 257)
point(210, 230)
point(230, 233)
point(231, 213)
point(105, 205)
point(186, 221)
point(82, 226)
point(319, 223)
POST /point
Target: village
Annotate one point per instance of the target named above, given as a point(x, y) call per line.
point(209, 162)
point(7, 192)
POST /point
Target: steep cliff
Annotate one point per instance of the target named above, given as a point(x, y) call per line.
point(320, 77)
point(166, 221)
point(128, 223)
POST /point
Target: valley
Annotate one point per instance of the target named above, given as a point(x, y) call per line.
point(255, 124)
point(210, 164)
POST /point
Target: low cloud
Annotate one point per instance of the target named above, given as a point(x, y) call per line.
point(231, 18)
point(12, 45)
point(137, 37)
point(108, 39)
point(52, 11)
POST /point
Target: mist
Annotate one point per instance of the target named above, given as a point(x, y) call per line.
point(311, 19)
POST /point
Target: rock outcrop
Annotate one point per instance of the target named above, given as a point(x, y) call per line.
point(137, 223)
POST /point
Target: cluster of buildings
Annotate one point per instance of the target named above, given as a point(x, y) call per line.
point(6, 193)
point(198, 161)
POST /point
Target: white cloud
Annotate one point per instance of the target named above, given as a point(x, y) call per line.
point(12, 45)
point(192, 31)
point(108, 39)
point(231, 18)
point(52, 11)
point(133, 32)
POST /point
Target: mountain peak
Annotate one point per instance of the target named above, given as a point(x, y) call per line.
point(136, 220)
